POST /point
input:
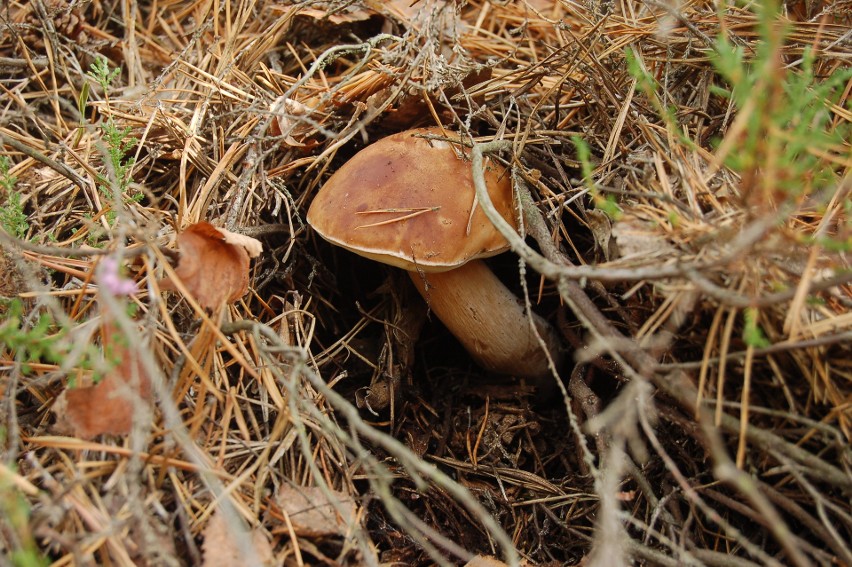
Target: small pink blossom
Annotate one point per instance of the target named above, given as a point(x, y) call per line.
point(110, 279)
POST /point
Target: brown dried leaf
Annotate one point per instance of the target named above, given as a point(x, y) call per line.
point(489, 561)
point(109, 406)
point(252, 245)
point(311, 513)
point(485, 561)
point(546, 7)
point(339, 17)
point(221, 549)
point(212, 267)
point(601, 226)
point(288, 121)
point(46, 173)
point(639, 240)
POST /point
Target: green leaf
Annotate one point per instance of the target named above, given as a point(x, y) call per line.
point(752, 333)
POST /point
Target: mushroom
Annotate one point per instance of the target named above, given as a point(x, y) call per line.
point(408, 200)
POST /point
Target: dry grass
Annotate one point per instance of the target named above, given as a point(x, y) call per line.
point(695, 263)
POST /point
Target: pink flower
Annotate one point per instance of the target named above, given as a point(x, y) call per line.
point(109, 278)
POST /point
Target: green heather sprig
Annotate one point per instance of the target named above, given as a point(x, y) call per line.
point(12, 217)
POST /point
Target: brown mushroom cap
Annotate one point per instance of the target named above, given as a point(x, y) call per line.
point(406, 201)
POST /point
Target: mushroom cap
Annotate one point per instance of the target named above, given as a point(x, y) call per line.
point(406, 201)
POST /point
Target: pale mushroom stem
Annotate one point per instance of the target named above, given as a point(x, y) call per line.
point(489, 320)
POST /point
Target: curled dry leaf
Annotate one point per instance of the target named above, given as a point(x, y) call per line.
point(312, 514)
point(638, 239)
point(46, 173)
point(489, 561)
point(214, 264)
point(221, 549)
point(485, 561)
point(109, 406)
point(345, 16)
point(252, 245)
point(285, 120)
point(601, 226)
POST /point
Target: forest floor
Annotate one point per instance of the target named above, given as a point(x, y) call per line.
point(190, 375)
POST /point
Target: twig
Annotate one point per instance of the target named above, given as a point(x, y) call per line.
point(253, 158)
point(10, 241)
point(37, 62)
point(726, 470)
point(675, 385)
point(825, 340)
point(60, 168)
point(678, 387)
point(416, 467)
point(732, 298)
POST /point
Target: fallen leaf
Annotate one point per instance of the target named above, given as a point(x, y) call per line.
point(489, 561)
point(626, 496)
point(347, 16)
point(485, 561)
point(285, 112)
point(601, 226)
point(638, 239)
point(546, 7)
point(46, 173)
point(406, 10)
point(221, 549)
point(214, 264)
point(252, 245)
point(312, 514)
point(109, 406)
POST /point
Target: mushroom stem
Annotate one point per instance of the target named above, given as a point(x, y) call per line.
point(489, 320)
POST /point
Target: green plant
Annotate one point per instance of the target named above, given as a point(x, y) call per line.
point(82, 104)
point(100, 72)
point(40, 342)
point(118, 145)
point(753, 335)
point(94, 230)
point(786, 142)
point(648, 85)
point(607, 204)
point(7, 180)
point(15, 514)
point(12, 216)
point(43, 341)
point(117, 139)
